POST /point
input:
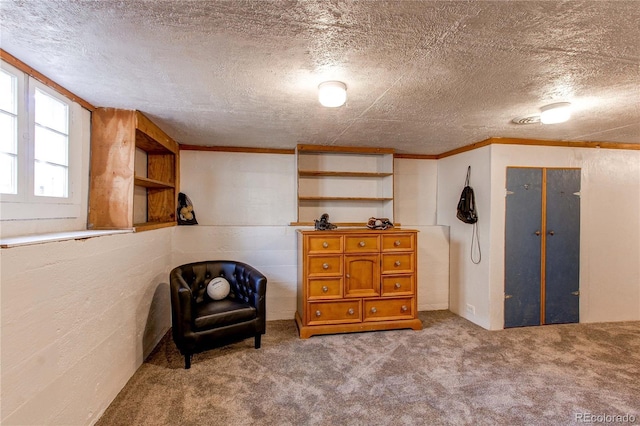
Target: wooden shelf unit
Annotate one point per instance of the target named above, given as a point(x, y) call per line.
point(116, 135)
point(351, 184)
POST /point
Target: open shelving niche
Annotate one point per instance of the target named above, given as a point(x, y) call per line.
point(350, 184)
point(133, 185)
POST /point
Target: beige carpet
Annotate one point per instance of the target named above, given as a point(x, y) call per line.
point(452, 372)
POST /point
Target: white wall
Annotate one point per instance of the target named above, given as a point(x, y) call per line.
point(469, 284)
point(244, 203)
point(416, 184)
point(78, 319)
point(610, 229)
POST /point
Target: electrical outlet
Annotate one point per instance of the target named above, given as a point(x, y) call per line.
point(471, 309)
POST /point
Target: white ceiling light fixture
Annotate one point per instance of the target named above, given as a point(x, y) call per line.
point(332, 94)
point(555, 113)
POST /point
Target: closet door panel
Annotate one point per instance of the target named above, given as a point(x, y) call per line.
point(562, 254)
point(522, 247)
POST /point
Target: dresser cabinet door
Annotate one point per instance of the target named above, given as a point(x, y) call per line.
point(388, 309)
point(325, 244)
point(398, 285)
point(319, 266)
point(398, 242)
point(362, 244)
point(325, 288)
point(362, 275)
point(397, 263)
point(341, 312)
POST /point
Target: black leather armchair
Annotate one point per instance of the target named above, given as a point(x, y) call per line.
point(201, 323)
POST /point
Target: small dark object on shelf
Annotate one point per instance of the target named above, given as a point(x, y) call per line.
point(323, 224)
point(379, 223)
point(186, 215)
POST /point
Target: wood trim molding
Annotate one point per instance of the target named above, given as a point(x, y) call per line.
point(540, 142)
point(345, 149)
point(12, 60)
point(471, 147)
point(566, 144)
point(186, 147)
point(416, 156)
point(465, 149)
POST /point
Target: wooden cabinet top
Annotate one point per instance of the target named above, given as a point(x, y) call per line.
point(355, 231)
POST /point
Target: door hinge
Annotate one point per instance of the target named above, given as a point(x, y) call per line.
point(578, 194)
point(508, 296)
point(576, 293)
point(507, 192)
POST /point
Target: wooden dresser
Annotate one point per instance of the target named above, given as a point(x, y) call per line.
point(356, 280)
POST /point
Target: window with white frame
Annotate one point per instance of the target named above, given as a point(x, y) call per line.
point(9, 132)
point(41, 144)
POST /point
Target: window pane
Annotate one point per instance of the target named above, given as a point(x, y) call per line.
point(51, 146)
point(8, 176)
point(50, 180)
point(51, 113)
point(8, 97)
point(8, 134)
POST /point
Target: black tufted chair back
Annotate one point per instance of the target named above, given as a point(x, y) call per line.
point(200, 323)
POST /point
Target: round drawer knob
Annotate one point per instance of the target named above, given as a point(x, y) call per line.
point(325, 244)
point(325, 289)
point(350, 311)
point(318, 313)
point(397, 285)
point(361, 244)
point(374, 310)
point(397, 263)
point(397, 243)
point(325, 266)
point(404, 308)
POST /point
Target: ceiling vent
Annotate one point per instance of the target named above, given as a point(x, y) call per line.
point(531, 119)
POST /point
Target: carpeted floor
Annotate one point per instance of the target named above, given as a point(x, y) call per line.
point(451, 373)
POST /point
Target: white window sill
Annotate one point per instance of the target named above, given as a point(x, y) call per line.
point(28, 240)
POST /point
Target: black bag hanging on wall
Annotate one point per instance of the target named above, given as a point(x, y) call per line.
point(468, 214)
point(467, 204)
point(186, 215)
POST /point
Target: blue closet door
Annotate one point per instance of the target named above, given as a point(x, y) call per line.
point(522, 247)
point(562, 248)
point(542, 247)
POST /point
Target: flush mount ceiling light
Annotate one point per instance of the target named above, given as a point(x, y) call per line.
point(555, 113)
point(332, 93)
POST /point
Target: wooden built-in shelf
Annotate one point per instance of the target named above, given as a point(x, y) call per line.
point(345, 198)
point(350, 184)
point(117, 136)
point(311, 173)
point(151, 183)
point(148, 226)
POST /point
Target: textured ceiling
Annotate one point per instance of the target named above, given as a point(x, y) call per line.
point(423, 77)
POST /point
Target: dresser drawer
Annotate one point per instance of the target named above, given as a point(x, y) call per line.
point(334, 312)
point(319, 266)
point(324, 244)
point(362, 243)
point(325, 288)
point(388, 309)
point(397, 263)
point(398, 242)
point(398, 285)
